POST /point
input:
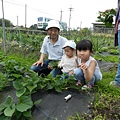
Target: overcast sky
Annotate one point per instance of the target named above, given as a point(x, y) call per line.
point(83, 12)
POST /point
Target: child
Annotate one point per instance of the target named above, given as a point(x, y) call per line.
point(69, 61)
point(88, 70)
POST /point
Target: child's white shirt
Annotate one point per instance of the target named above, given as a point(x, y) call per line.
point(88, 62)
point(68, 64)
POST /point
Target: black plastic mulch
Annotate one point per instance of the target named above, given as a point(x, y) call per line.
point(54, 107)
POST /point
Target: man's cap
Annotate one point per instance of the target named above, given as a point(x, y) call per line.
point(53, 23)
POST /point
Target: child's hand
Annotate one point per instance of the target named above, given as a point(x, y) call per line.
point(83, 66)
point(71, 72)
point(49, 67)
point(53, 64)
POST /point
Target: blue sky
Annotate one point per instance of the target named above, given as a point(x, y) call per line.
point(83, 12)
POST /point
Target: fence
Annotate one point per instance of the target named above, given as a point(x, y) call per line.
point(103, 30)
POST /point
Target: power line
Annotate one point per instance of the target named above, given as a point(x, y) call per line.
point(17, 1)
point(14, 3)
point(22, 4)
point(28, 7)
point(40, 11)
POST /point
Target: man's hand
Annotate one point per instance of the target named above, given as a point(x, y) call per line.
point(38, 62)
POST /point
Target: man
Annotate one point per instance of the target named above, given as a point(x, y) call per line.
point(52, 48)
point(116, 82)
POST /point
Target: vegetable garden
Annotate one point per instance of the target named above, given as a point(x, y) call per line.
point(23, 51)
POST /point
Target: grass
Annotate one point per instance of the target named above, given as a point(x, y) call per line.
point(107, 100)
point(106, 105)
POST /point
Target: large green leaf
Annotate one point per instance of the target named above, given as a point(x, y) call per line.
point(19, 68)
point(58, 89)
point(3, 117)
point(37, 102)
point(31, 87)
point(23, 107)
point(24, 104)
point(2, 106)
point(20, 92)
point(49, 87)
point(17, 85)
point(8, 101)
point(113, 11)
point(9, 111)
point(54, 64)
point(27, 114)
point(18, 114)
point(17, 75)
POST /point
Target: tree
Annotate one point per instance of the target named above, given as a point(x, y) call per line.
point(107, 17)
point(33, 27)
point(85, 32)
point(7, 23)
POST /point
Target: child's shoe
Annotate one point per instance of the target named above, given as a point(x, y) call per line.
point(78, 83)
point(113, 83)
point(87, 87)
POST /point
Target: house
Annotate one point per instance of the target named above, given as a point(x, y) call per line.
point(99, 27)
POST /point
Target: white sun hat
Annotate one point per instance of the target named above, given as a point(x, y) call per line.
point(53, 23)
point(70, 43)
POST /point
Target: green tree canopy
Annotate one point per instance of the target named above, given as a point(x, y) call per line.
point(107, 17)
point(7, 23)
point(33, 27)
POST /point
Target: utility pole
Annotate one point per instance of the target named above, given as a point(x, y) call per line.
point(70, 16)
point(80, 25)
point(61, 16)
point(25, 15)
point(17, 21)
point(3, 24)
point(69, 20)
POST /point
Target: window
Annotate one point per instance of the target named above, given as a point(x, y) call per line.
point(40, 19)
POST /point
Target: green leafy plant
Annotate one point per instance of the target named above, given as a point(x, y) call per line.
point(4, 82)
point(114, 51)
point(16, 111)
point(107, 17)
point(7, 107)
point(14, 68)
point(58, 83)
point(25, 82)
point(54, 64)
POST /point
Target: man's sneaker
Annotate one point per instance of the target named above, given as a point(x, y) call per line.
point(86, 87)
point(113, 83)
point(78, 83)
